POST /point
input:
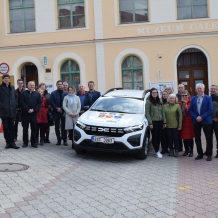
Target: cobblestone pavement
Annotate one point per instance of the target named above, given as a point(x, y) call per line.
point(59, 183)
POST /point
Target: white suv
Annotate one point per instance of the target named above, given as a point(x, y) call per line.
point(116, 122)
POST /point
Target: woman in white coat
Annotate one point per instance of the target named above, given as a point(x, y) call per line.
point(71, 106)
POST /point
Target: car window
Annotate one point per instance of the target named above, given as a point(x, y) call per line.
point(122, 105)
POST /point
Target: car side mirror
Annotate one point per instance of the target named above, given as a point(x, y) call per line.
point(86, 108)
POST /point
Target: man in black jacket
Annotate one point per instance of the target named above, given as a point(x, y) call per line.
point(92, 95)
point(214, 95)
point(18, 92)
point(8, 110)
point(56, 101)
point(30, 104)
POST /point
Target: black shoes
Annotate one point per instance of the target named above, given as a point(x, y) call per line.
point(209, 158)
point(65, 143)
point(185, 153)
point(205, 153)
point(191, 154)
point(47, 141)
point(7, 146)
point(41, 142)
point(216, 155)
point(14, 146)
point(34, 145)
point(25, 145)
point(199, 157)
point(58, 143)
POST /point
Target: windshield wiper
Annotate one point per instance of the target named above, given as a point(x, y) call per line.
point(98, 110)
point(123, 112)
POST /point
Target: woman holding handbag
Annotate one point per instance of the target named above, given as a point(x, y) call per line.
point(42, 120)
point(71, 106)
point(187, 131)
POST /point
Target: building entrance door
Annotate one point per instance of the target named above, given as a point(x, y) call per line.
point(29, 72)
point(192, 69)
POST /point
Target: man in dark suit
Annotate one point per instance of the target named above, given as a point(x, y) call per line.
point(91, 95)
point(200, 109)
point(56, 101)
point(214, 96)
point(30, 104)
point(8, 110)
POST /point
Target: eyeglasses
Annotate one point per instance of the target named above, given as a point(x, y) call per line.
point(184, 95)
point(154, 92)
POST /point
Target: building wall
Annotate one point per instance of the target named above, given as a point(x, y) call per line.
point(102, 45)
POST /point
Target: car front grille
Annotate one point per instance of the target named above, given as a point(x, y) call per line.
point(119, 146)
point(104, 131)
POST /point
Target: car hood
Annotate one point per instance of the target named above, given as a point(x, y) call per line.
point(111, 119)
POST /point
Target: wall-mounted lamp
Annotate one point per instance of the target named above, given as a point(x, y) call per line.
point(159, 75)
point(160, 55)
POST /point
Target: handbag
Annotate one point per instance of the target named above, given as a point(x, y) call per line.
point(1, 128)
point(50, 119)
point(18, 116)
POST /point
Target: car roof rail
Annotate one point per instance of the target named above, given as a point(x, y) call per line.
point(145, 92)
point(113, 89)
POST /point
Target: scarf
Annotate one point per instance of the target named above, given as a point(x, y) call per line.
point(184, 107)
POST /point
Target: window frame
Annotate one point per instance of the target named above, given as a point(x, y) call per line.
point(70, 72)
point(133, 4)
point(132, 69)
point(22, 7)
point(71, 3)
point(192, 13)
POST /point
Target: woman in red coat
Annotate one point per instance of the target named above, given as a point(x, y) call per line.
point(187, 131)
point(42, 119)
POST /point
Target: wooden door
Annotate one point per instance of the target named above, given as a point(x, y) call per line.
point(192, 75)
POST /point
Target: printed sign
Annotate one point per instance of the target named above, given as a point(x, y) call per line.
point(4, 68)
point(160, 86)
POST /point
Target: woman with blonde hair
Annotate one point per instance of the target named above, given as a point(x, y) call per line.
point(173, 115)
point(187, 131)
point(71, 106)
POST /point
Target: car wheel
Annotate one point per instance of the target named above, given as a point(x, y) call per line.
point(144, 151)
point(80, 151)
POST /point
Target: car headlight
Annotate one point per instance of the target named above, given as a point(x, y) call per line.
point(134, 128)
point(81, 125)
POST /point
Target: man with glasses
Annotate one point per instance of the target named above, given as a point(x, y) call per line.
point(200, 110)
point(214, 95)
point(181, 88)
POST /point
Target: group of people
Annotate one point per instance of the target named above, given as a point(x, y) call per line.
point(40, 110)
point(176, 119)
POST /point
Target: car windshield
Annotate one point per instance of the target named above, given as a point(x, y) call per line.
point(119, 105)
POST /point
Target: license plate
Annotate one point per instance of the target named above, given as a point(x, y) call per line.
point(102, 140)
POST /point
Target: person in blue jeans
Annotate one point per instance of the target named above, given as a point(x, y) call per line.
point(200, 109)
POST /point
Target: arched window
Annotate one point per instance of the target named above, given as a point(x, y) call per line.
point(70, 73)
point(132, 75)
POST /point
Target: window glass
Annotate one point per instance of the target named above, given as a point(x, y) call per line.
point(199, 2)
point(199, 11)
point(183, 2)
point(184, 13)
point(132, 76)
point(192, 9)
point(22, 15)
point(70, 73)
point(198, 73)
point(71, 13)
point(133, 11)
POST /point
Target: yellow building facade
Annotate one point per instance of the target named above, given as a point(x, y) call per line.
point(135, 44)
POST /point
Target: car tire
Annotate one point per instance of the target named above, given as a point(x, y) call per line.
point(142, 155)
point(80, 151)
